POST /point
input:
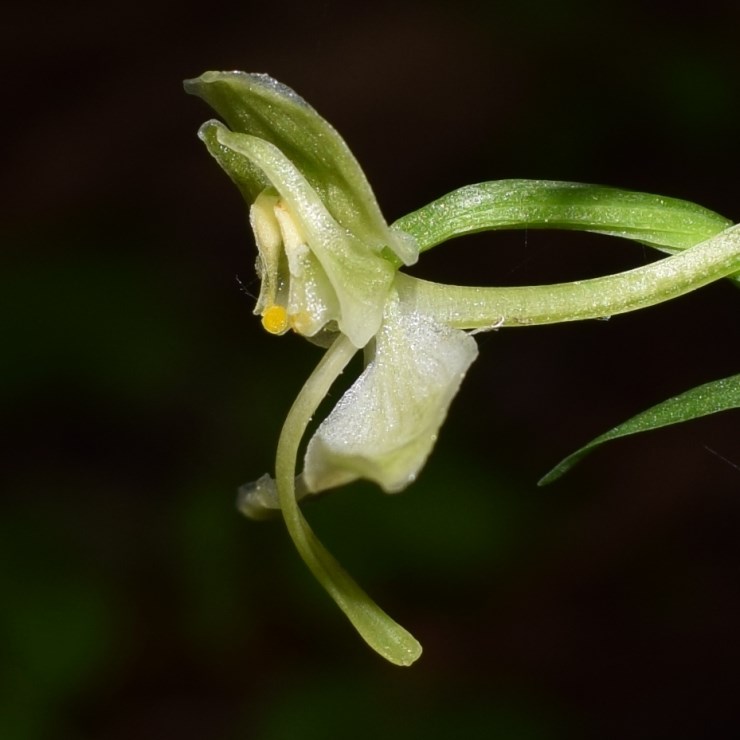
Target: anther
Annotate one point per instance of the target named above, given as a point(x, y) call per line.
point(275, 319)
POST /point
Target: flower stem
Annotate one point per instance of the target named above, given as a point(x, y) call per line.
point(476, 308)
point(383, 634)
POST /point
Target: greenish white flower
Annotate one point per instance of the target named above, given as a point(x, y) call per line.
point(329, 266)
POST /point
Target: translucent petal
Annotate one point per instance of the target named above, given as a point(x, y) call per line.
point(386, 424)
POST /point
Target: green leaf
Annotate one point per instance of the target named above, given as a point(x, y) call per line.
point(719, 395)
point(667, 224)
point(256, 104)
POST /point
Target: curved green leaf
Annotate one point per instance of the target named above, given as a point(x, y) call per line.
point(667, 224)
point(718, 395)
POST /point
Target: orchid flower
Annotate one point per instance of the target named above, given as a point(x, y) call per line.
point(331, 270)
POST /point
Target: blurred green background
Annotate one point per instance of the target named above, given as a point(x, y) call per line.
point(138, 391)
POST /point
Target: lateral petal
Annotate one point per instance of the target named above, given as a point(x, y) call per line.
point(386, 424)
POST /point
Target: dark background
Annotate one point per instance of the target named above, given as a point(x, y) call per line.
point(138, 390)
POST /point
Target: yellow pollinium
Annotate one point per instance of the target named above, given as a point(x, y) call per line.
point(275, 319)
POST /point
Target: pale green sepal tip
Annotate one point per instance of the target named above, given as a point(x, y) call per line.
point(709, 398)
point(258, 105)
point(258, 499)
point(249, 178)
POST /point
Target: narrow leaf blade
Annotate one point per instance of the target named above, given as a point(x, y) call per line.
point(667, 224)
point(710, 398)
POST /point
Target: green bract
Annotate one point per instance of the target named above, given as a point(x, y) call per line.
point(330, 270)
